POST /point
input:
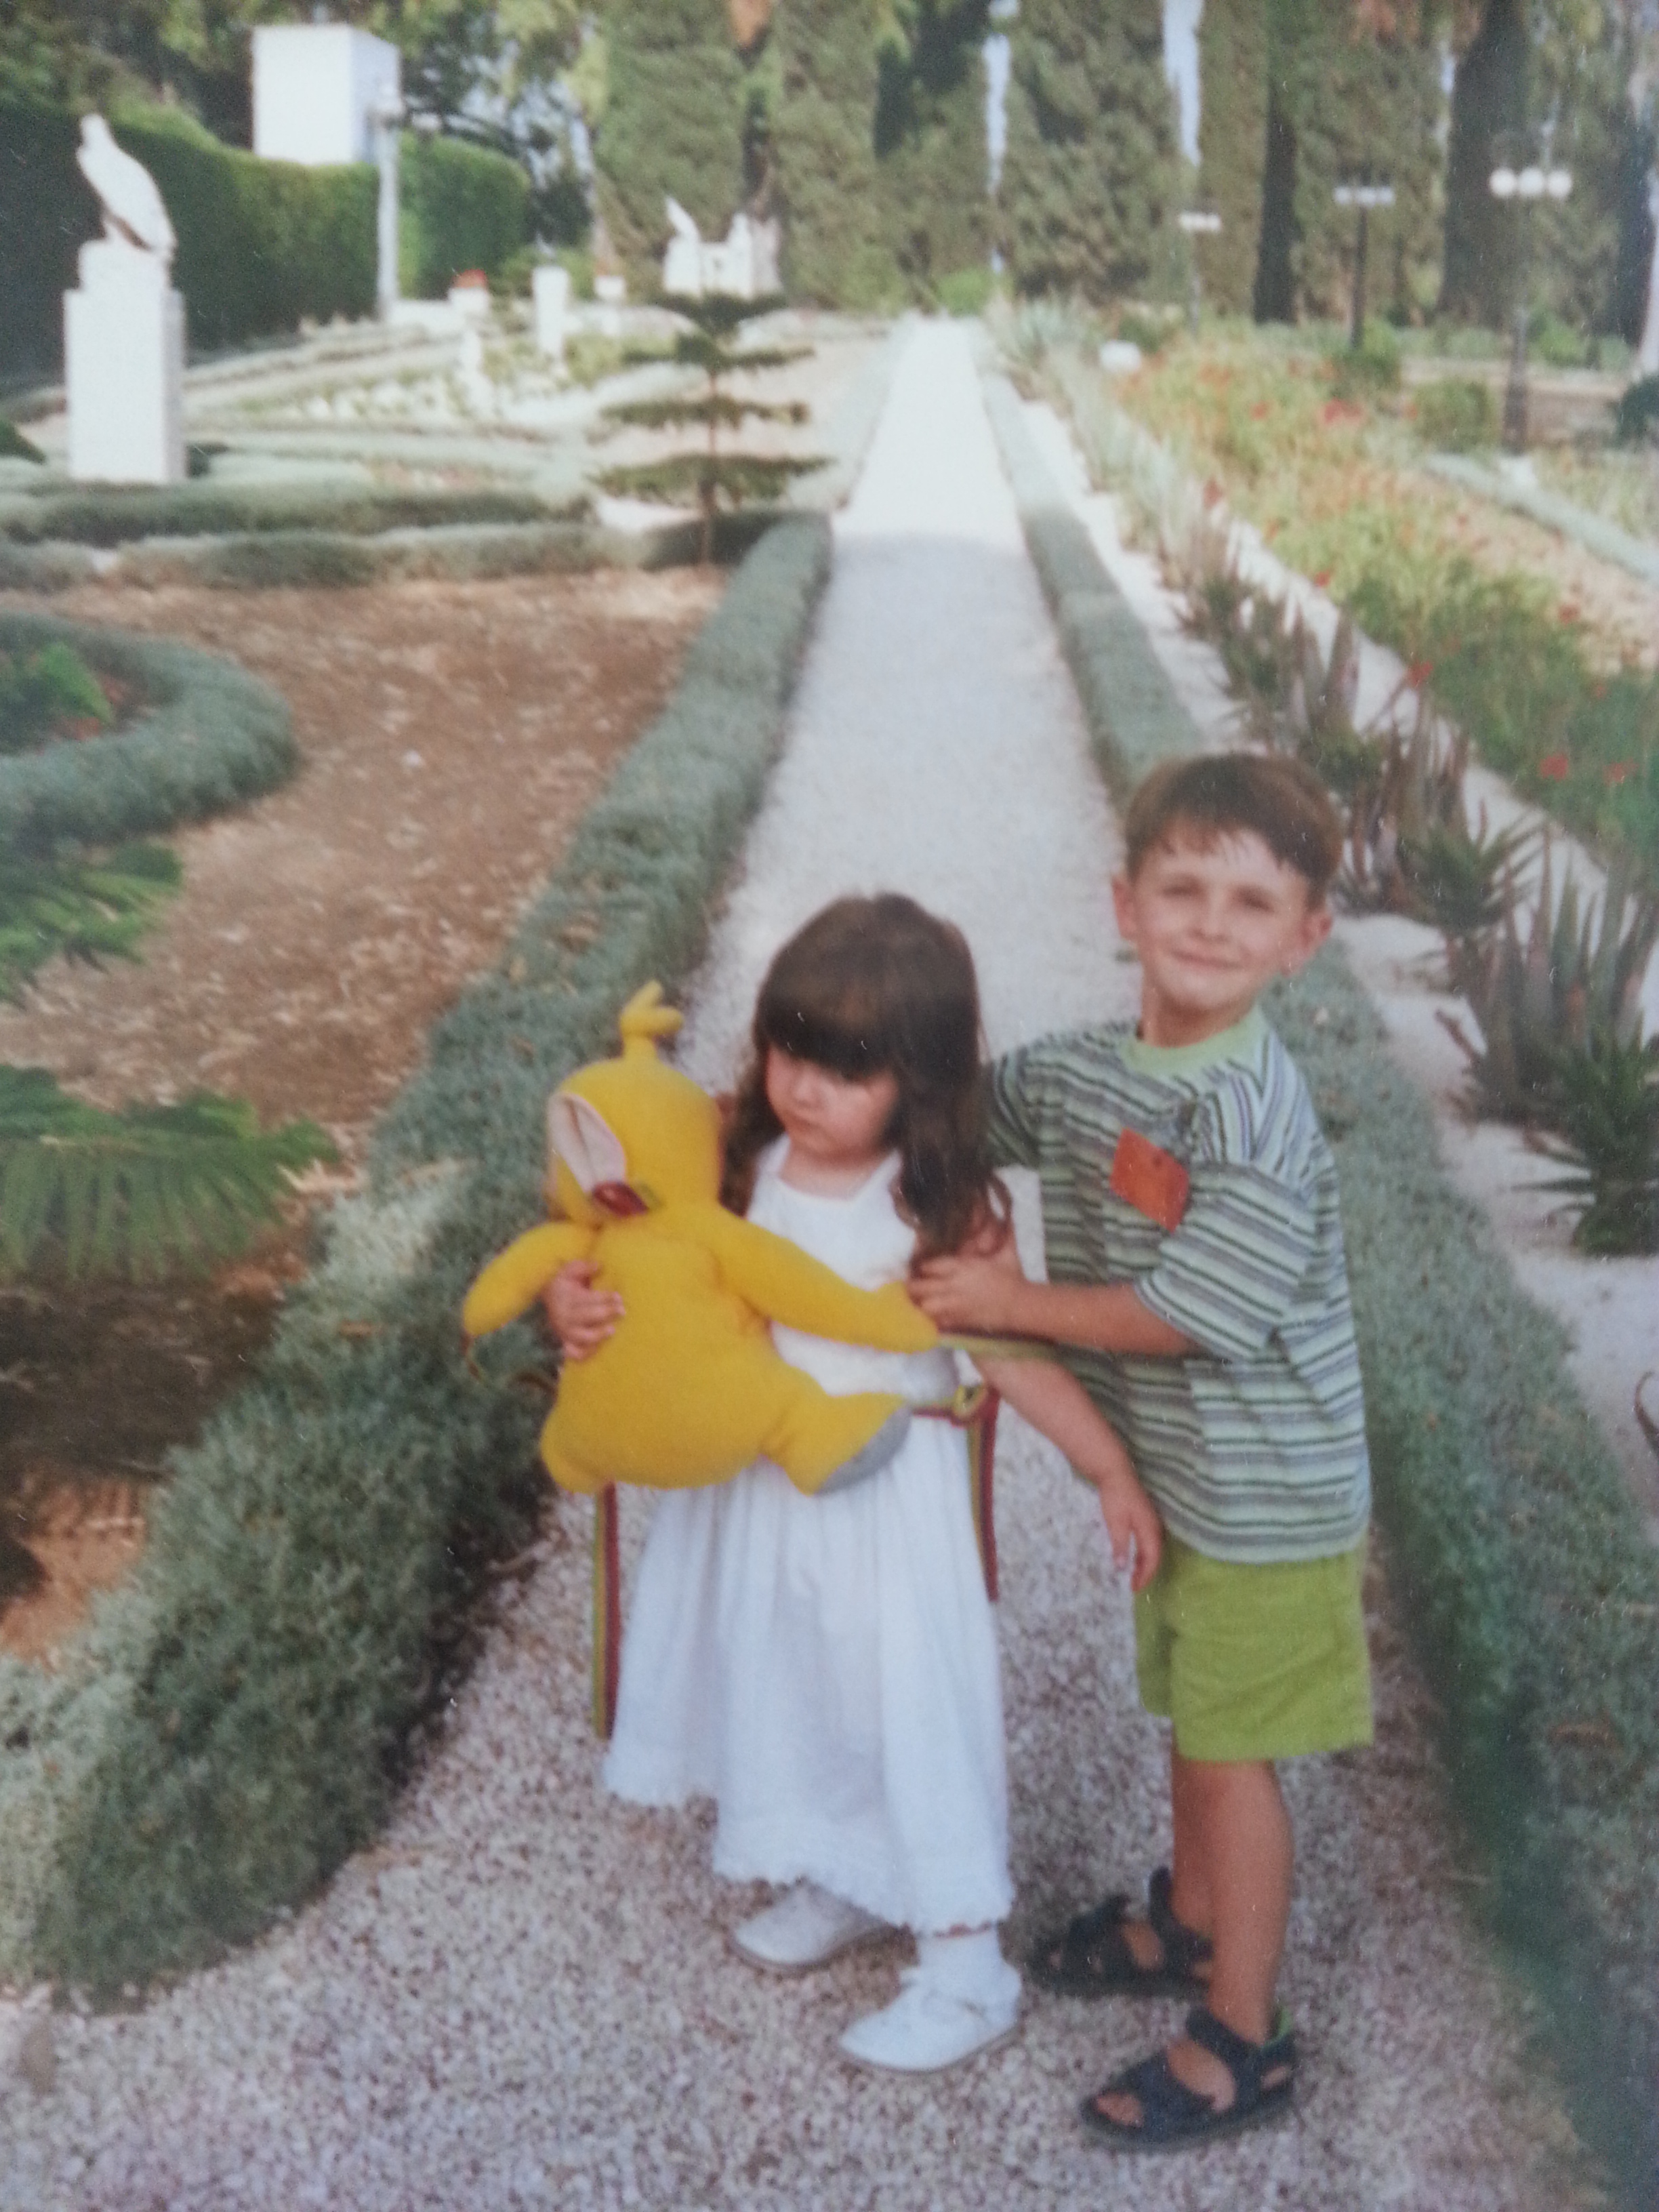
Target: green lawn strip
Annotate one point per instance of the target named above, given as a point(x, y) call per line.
point(108, 516)
point(1578, 741)
point(233, 1724)
point(207, 735)
point(1517, 1560)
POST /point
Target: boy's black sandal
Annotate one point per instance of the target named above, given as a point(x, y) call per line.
point(1090, 1957)
point(1174, 2117)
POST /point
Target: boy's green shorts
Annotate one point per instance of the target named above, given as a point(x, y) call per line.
point(1254, 1663)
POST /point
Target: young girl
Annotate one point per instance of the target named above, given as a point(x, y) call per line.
point(826, 1668)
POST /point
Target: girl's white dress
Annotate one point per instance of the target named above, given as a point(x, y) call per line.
point(826, 1668)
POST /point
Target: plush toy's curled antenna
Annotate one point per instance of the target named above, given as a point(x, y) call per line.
point(644, 1019)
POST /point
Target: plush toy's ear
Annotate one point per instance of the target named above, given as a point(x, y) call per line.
point(579, 1135)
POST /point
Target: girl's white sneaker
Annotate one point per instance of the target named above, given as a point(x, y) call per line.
point(806, 1927)
point(927, 2028)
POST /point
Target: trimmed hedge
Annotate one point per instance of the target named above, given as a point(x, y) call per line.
point(1517, 1560)
point(260, 243)
point(459, 207)
point(330, 560)
point(232, 1726)
point(113, 515)
point(211, 737)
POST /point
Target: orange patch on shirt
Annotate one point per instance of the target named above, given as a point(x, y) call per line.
point(1148, 1179)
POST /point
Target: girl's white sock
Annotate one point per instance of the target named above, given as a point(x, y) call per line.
point(970, 1966)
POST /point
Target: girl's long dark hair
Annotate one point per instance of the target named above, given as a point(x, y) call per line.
point(880, 987)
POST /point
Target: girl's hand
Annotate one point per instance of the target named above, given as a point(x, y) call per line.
point(966, 1291)
point(578, 1315)
point(1132, 1518)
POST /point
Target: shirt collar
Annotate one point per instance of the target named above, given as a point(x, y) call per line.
point(1241, 1042)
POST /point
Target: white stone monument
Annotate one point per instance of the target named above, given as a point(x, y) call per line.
point(123, 329)
point(318, 91)
point(744, 265)
point(549, 288)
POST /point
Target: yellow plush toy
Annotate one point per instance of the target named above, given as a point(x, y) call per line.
point(689, 1390)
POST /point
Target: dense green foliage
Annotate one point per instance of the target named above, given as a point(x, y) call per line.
point(824, 154)
point(1089, 180)
point(673, 122)
point(43, 693)
point(234, 1724)
point(66, 906)
point(115, 514)
point(460, 207)
point(1232, 60)
point(878, 148)
point(1518, 1558)
point(1456, 415)
point(208, 737)
point(260, 243)
point(47, 212)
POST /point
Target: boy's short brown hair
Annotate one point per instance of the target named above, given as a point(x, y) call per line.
point(1211, 795)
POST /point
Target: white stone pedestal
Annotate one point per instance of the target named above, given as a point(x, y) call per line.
point(124, 360)
point(549, 287)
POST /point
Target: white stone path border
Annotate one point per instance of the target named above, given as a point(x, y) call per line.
point(1608, 1308)
point(523, 1997)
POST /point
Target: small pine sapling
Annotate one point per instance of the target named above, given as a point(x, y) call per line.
point(712, 477)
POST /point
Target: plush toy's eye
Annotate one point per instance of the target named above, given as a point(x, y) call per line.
point(579, 1135)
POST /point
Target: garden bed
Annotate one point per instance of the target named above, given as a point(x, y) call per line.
point(451, 736)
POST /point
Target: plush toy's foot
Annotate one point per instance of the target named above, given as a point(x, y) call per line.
point(881, 1448)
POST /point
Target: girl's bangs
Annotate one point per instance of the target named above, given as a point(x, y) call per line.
point(840, 1039)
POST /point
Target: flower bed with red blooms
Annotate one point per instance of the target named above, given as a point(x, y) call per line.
point(1550, 694)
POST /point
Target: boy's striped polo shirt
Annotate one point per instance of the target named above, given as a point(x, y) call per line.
point(1254, 1448)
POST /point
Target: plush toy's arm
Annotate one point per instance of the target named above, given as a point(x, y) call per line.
point(510, 1284)
point(779, 1280)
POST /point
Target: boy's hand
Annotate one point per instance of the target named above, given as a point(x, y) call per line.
point(581, 1317)
point(971, 1290)
point(1131, 1518)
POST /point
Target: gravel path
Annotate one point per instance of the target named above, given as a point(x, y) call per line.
point(523, 1997)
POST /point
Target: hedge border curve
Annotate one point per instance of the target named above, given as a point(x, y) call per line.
point(227, 1731)
point(1520, 1568)
point(214, 738)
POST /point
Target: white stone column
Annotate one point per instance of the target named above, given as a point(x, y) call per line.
point(549, 287)
point(124, 360)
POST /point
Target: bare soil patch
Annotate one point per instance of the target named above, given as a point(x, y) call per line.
point(452, 736)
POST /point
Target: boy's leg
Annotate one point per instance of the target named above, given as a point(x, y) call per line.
point(1234, 1846)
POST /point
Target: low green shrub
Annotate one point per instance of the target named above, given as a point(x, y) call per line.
point(14, 446)
point(1368, 370)
point(580, 263)
point(114, 514)
point(462, 207)
point(235, 1721)
point(965, 291)
point(1457, 415)
point(209, 736)
point(261, 244)
point(1636, 418)
point(1555, 342)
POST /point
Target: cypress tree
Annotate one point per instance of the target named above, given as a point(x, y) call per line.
point(825, 155)
point(1363, 102)
point(1489, 109)
point(1232, 145)
point(933, 158)
point(673, 122)
point(1088, 181)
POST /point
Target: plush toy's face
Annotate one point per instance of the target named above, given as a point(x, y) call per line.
point(626, 1135)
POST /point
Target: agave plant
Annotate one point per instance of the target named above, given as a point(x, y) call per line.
point(1576, 978)
point(1609, 1096)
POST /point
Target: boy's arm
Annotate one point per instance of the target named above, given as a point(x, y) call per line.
point(1056, 1403)
point(991, 1295)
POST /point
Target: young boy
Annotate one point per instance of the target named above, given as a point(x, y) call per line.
point(1196, 1280)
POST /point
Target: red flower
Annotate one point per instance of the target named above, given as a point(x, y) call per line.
point(1259, 410)
point(1567, 612)
point(1321, 581)
point(1269, 532)
point(1212, 494)
point(1556, 769)
point(1418, 673)
point(1618, 773)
